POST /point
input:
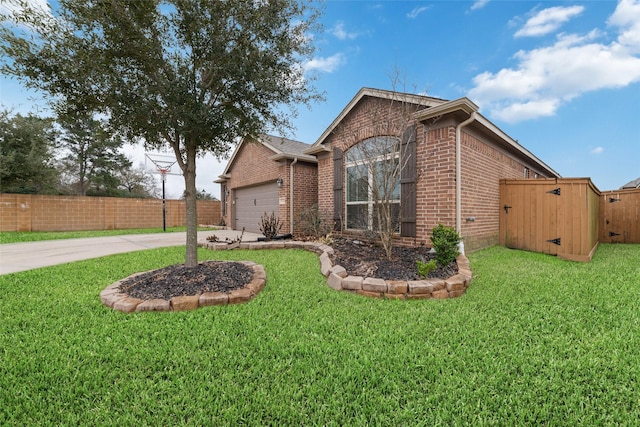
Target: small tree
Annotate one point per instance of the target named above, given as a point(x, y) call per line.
point(374, 166)
point(188, 74)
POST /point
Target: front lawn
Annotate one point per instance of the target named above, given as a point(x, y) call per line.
point(535, 341)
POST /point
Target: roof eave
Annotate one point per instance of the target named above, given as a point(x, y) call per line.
point(515, 144)
point(467, 106)
point(289, 156)
point(317, 150)
point(462, 104)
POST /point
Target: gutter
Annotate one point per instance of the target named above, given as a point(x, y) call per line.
point(472, 117)
point(295, 160)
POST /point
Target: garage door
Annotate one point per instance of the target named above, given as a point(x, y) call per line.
point(252, 202)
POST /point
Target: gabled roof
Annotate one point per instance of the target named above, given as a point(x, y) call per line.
point(282, 148)
point(632, 184)
point(426, 101)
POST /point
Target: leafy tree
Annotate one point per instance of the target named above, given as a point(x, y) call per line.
point(201, 195)
point(93, 159)
point(26, 154)
point(137, 182)
point(192, 74)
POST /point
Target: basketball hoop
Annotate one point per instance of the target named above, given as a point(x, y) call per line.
point(162, 163)
point(163, 171)
point(163, 166)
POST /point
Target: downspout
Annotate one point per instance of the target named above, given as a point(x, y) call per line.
point(471, 118)
point(295, 160)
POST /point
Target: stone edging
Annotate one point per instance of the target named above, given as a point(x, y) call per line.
point(113, 298)
point(338, 278)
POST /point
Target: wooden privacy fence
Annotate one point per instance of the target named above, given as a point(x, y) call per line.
point(553, 216)
point(620, 216)
point(26, 212)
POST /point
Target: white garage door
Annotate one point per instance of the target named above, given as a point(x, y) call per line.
point(252, 203)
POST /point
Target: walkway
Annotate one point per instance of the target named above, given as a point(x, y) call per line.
point(15, 257)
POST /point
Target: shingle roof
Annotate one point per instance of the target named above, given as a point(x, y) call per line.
point(283, 145)
point(632, 184)
point(282, 148)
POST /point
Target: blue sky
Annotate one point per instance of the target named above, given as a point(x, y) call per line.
point(561, 77)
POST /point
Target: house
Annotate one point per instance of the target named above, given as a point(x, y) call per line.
point(631, 184)
point(452, 161)
point(264, 175)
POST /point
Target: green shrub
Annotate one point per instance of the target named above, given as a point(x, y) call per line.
point(425, 268)
point(445, 242)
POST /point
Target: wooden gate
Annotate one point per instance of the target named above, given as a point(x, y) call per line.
point(620, 216)
point(552, 216)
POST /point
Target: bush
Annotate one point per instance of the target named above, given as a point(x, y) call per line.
point(445, 242)
point(425, 268)
point(312, 222)
point(270, 225)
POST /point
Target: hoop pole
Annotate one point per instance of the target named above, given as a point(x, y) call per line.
point(164, 208)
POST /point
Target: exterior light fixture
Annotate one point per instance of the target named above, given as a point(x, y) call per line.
point(279, 182)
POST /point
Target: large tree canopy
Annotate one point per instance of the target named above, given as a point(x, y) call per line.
point(92, 159)
point(192, 74)
point(27, 145)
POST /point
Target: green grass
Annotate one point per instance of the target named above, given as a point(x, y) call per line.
point(32, 236)
point(535, 341)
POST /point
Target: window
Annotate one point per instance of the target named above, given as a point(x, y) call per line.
point(373, 177)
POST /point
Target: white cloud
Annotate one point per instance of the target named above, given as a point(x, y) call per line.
point(545, 78)
point(479, 4)
point(417, 11)
point(328, 65)
point(548, 20)
point(339, 31)
point(597, 150)
point(627, 18)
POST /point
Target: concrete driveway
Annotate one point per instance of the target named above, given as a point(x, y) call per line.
point(16, 257)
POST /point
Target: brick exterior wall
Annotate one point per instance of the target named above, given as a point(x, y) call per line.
point(483, 165)
point(305, 190)
point(26, 212)
point(252, 166)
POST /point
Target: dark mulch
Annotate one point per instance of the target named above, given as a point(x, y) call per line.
point(366, 259)
point(178, 280)
point(358, 257)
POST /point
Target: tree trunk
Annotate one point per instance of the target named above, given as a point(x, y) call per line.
point(191, 259)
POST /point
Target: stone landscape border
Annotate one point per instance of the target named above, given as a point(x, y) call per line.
point(339, 279)
point(113, 298)
point(336, 275)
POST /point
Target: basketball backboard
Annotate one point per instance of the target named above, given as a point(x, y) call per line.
point(163, 164)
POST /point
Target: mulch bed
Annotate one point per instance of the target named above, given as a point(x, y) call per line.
point(361, 258)
point(178, 280)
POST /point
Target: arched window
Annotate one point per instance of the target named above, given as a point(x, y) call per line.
point(373, 184)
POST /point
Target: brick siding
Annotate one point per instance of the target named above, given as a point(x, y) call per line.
point(252, 166)
point(483, 165)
